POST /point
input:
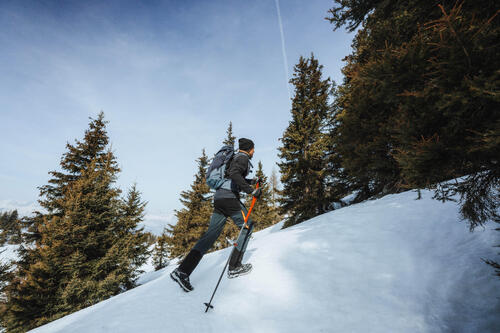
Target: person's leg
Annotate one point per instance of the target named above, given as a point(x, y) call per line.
point(217, 222)
point(243, 239)
point(215, 227)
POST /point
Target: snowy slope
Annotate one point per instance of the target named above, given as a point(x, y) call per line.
point(391, 265)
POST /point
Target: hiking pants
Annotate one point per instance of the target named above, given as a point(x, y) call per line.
point(224, 208)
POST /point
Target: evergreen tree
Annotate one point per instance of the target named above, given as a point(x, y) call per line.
point(193, 219)
point(150, 238)
point(160, 255)
point(132, 242)
point(265, 212)
point(305, 145)
point(417, 99)
point(5, 276)
point(80, 246)
point(340, 182)
point(274, 188)
point(230, 139)
point(416, 105)
point(75, 161)
point(30, 225)
point(87, 248)
point(459, 135)
point(10, 228)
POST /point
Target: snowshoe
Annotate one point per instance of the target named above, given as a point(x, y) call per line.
point(182, 279)
point(239, 270)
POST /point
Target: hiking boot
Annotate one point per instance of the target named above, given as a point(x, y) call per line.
point(182, 279)
point(236, 268)
point(239, 270)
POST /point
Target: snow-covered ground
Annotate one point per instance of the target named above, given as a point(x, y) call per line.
point(390, 265)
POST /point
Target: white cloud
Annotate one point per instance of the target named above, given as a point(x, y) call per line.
point(155, 223)
point(168, 87)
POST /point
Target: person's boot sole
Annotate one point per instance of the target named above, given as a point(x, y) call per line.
point(176, 279)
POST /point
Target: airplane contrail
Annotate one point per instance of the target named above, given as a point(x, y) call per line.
point(283, 48)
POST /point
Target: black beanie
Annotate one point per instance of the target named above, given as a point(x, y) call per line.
point(245, 144)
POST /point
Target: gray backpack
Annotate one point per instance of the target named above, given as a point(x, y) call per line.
point(216, 173)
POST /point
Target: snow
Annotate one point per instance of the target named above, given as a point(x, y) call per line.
point(350, 198)
point(8, 253)
point(395, 264)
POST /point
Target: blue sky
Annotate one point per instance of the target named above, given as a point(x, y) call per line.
point(169, 76)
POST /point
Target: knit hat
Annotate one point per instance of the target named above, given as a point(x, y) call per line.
point(245, 144)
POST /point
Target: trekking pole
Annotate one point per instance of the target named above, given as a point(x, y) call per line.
point(208, 305)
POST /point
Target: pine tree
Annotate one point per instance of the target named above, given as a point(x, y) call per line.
point(132, 242)
point(275, 191)
point(86, 248)
point(265, 212)
point(416, 97)
point(5, 276)
point(416, 106)
point(10, 228)
point(305, 144)
point(339, 181)
point(75, 161)
point(82, 240)
point(230, 139)
point(160, 255)
point(193, 219)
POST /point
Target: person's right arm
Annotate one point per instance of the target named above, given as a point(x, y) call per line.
point(236, 170)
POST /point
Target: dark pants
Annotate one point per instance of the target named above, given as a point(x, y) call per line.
point(223, 208)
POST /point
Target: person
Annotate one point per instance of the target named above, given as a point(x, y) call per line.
point(226, 204)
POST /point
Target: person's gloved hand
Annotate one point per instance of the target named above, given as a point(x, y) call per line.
point(257, 193)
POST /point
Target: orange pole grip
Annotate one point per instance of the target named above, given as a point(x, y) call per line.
point(251, 206)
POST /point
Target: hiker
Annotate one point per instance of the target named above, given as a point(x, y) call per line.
point(226, 204)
